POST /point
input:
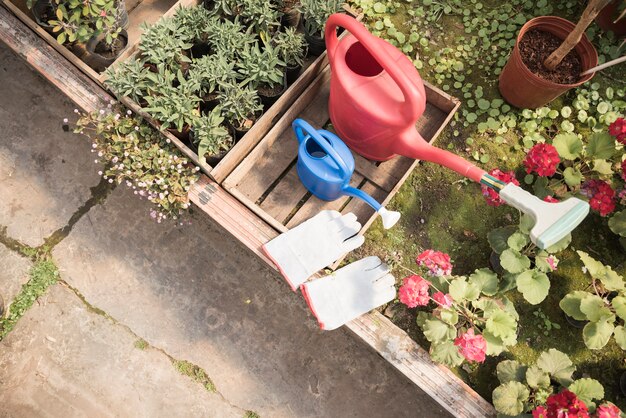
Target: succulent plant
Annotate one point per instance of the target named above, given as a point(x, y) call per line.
point(210, 72)
point(239, 105)
point(261, 68)
point(210, 135)
point(291, 47)
point(129, 78)
point(316, 13)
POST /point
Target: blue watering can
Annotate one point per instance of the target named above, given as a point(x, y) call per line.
point(325, 166)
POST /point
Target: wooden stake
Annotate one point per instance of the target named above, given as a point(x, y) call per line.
point(591, 11)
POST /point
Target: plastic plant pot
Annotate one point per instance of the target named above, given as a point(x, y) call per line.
point(525, 90)
point(95, 58)
point(606, 19)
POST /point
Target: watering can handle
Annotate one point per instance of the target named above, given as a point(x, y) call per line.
point(409, 89)
point(302, 127)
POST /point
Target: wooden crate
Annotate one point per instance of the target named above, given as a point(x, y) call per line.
point(139, 11)
point(268, 183)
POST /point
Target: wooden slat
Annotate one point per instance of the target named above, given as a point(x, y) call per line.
point(285, 196)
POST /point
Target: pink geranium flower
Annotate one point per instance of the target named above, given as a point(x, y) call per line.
point(540, 412)
point(472, 347)
point(414, 291)
point(550, 199)
point(608, 411)
point(491, 196)
point(618, 130)
point(438, 263)
point(443, 299)
point(552, 262)
point(542, 159)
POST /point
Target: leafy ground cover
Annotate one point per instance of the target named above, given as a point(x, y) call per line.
point(461, 47)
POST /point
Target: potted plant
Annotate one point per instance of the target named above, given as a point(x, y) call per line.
point(292, 49)
point(164, 43)
point(290, 12)
point(229, 39)
point(261, 15)
point(315, 13)
point(176, 108)
point(240, 106)
point(130, 79)
point(211, 137)
point(613, 18)
point(43, 11)
point(264, 71)
point(548, 58)
point(210, 72)
point(223, 8)
point(196, 22)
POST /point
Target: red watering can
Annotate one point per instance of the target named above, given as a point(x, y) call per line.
point(377, 96)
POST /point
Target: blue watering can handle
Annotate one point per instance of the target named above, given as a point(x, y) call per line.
point(302, 127)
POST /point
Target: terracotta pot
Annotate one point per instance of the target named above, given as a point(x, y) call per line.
point(607, 16)
point(523, 89)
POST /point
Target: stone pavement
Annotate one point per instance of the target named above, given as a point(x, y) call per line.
point(185, 293)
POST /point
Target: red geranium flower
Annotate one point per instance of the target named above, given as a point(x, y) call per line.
point(601, 196)
point(472, 347)
point(438, 263)
point(414, 291)
point(624, 170)
point(608, 410)
point(618, 130)
point(491, 196)
point(543, 159)
point(540, 412)
point(566, 405)
point(550, 199)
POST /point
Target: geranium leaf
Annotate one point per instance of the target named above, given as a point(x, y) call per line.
point(495, 345)
point(568, 145)
point(557, 365)
point(510, 398)
point(611, 280)
point(619, 304)
point(572, 176)
point(526, 222)
point(534, 286)
point(517, 241)
point(461, 290)
point(486, 280)
point(601, 145)
point(514, 262)
point(449, 316)
point(501, 324)
point(498, 238)
point(510, 371)
point(436, 330)
point(560, 245)
point(537, 378)
point(617, 223)
point(602, 167)
point(594, 267)
point(570, 304)
point(597, 334)
point(594, 308)
point(587, 389)
point(446, 353)
point(620, 336)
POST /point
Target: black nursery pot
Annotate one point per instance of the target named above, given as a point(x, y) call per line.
point(290, 18)
point(292, 73)
point(200, 50)
point(43, 11)
point(268, 99)
point(97, 57)
point(209, 102)
point(212, 160)
point(574, 322)
point(316, 43)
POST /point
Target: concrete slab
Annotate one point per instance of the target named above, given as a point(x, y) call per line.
point(45, 173)
point(199, 295)
point(13, 274)
point(63, 361)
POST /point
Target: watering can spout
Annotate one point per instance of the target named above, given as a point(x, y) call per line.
point(389, 218)
point(412, 145)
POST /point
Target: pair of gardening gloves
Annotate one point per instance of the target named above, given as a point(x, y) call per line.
point(348, 292)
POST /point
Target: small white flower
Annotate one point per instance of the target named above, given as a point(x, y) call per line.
point(180, 171)
point(126, 154)
point(115, 159)
point(129, 112)
point(161, 196)
point(197, 168)
point(75, 110)
point(136, 128)
point(100, 154)
point(65, 120)
point(584, 269)
point(110, 180)
point(95, 161)
point(135, 192)
point(94, 145)
point(112, 102)
point(117, 116)
point(99, 173)
point(167, 140)
point(102, 111)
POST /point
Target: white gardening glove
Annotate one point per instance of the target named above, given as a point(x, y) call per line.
point(313, 245)
point(349, 292)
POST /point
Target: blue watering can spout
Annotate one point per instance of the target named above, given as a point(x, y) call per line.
point(325, 166)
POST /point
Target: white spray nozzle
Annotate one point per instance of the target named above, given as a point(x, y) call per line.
point(389, 217)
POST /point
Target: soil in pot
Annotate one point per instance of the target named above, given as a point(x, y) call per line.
point(200, 50)
point(209, 102)
point(537, 45)
point(269, 95)
point(290, 18)
point(99, 55)
point(182, 135)
point(622, 383)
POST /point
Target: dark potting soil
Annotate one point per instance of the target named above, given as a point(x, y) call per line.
point(537, 45)
point(270, 92)
point(110, 51)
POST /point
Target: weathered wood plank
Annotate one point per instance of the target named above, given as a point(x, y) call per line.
point(285, 196)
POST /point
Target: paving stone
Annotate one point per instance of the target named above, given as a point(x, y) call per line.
point(13, 274)
point(62, 360)
point(198, 294)
point(45, 173)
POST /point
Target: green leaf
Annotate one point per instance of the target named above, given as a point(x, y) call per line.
point(436, 330)
point(560, 245)
point(537, 378)
point(601, 145)
point(517, 241)
point(495, 345)
point(568, 145)
point(587, 389)
point(620, 336)
point(460, 290)
point(449, 316)
point(541, 261)
point(619, 304)
point(594, 308)
point(611, 280)
point(379, 7)
point(510, 398)
point(498, 238)
point(602, 167)
point(617, 223)
point(61, 38)
point(534, 286)
point(594, 267)
point(514, 262)
point(570, 304)
point(557, 365)
point(501, 324)
point(572, 176)
point(526, 222)
point(510, 371)
point(597, 334)
point(486, 280)
point(446, 353)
